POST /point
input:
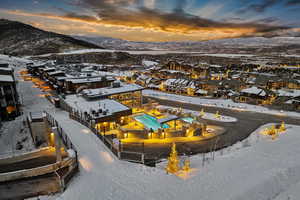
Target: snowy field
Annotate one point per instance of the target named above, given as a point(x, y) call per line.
point(154, 52)
point(225, 55)
point(221, 103)
point(257, 168)
point(209, 116)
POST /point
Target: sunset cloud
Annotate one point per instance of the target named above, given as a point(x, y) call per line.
point(151, 19)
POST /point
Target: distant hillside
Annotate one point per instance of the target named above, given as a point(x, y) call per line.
point(287, 42)
point(21, 39)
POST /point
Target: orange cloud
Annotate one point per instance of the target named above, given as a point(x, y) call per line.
point(154, 26)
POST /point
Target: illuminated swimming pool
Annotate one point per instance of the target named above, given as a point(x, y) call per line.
point(150, 122)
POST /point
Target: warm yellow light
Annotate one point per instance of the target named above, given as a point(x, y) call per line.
point(52, 139)
point(86, 163)
point(10, 109)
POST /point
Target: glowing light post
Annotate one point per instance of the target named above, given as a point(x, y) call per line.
point(173, 161)
point(202, 113)
point(282, 127)
point(57, 144)
point(217, 115)
point(164, 133)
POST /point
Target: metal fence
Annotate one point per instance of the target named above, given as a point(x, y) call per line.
point(64, 105)
point(116, 149)
point(64, 137)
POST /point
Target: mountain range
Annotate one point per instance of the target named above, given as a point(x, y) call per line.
point(17, 38)
point(278, 44)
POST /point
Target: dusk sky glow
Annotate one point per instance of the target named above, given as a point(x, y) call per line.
point(157, 20)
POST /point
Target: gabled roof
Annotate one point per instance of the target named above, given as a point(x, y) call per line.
point(6, 78)
point(108, 91)
point(254, 90)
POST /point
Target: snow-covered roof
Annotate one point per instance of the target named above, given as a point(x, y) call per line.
point(167, 119)
point(177, 82)
point(217, 66)
point(6, 78)
point(6, 69)
point(55, 72)
point(108, 91)
point(89, 79)
point(153, 86)
point(174, 71)
point(288, 93)
point(200, 91)
point(60, 78)
point(48, 69)
point(254, 90)
point(83, 105)
point(148, 63)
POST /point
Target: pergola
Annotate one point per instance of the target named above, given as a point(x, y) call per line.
point(168, 119)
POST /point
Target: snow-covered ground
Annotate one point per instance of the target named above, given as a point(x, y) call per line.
point(221, 103)
point(153, 52)
point(209, 116)
point(226, 55)
point(13, 60)
point(256, 168)
point(14, 136)
point(149, 63)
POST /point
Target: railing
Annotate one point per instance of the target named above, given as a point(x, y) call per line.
point(115, 149)
point(64, 137)
point(64, 105)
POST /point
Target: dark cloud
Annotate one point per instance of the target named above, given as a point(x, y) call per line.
point(82, 17)
point(293, 3)
point(268, 20)
point(258, 7)
point(131, 14)
point(126, 13)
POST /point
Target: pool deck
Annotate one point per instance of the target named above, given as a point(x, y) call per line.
point(217, 132)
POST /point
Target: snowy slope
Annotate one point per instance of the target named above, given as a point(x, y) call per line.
point(261, 171)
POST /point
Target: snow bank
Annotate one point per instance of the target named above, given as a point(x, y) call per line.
point(209, 116)
point(71, 153)
point(221, 103)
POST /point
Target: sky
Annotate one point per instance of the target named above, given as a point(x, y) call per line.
point(157, 20)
